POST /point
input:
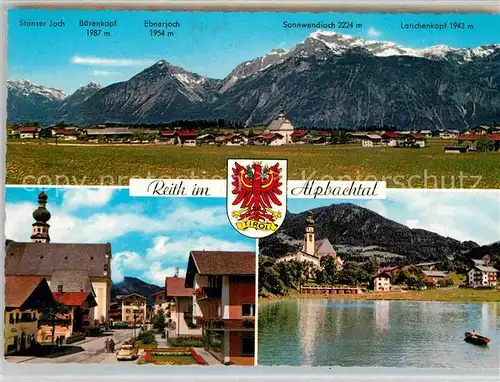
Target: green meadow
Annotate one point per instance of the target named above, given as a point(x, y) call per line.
point(38, 162)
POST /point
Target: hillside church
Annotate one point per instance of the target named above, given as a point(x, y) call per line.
point(313, 250)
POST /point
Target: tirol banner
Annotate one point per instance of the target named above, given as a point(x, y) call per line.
point(256, 195)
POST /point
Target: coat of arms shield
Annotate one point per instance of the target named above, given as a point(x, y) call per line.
point(256, 195)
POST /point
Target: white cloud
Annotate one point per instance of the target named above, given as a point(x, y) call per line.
point(372, 32)
point(103, 227)
point(104, 73)
point(161, 259)
point(156, 274)
point(462, 215)
point(377, 206)
point(168, 249)
point(101, 61)
point(86, 197)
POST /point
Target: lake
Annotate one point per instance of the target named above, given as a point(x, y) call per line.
point(377, 333)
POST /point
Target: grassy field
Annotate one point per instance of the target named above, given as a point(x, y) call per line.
point(430, 167)
point(441, 294)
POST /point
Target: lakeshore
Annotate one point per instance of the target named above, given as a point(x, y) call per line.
point(396, 334)
point(441, 294)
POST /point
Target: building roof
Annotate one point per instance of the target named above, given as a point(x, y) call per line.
point(324, 246)
point(204, 136)
point(110, 131)
point(168, 133)
point(299, 133)
point(475, 137)
point(158, 293)
point(269, 137)
point(280, 124)
point(373, 136)
point(42, 259)
point(27, 129)
point(383, 274)
point(387, 269)
point(174, 287)
point(391, 134)
point(218, 263)
point(428, 264)
point(187, 133)
point(122, 297)
point(67, 131)
point(434, 273)
point(72, 280)
point(19, 289)
point(483, 268)
point(417, 136)
point(75, 298)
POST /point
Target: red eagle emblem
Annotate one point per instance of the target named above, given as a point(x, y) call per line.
point(257, 189)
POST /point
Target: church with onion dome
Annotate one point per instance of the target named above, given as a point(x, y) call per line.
point(313, 250)
point(42, 216)
point(281, 129)
point(67, 267)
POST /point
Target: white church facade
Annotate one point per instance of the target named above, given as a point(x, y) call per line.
point(281, 129)
point(312, 250)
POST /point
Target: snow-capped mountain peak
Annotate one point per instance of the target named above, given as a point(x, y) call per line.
point(27, 88)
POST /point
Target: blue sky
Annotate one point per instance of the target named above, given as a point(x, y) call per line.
point(460, 214)
point(209, 43)
point(149, 237)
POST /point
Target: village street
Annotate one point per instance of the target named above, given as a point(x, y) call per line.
point(90, 350)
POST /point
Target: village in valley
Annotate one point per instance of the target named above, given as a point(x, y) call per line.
point(280, 131)
point(60, 306)
point(314, 268)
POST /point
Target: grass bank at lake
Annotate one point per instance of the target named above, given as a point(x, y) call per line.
point(441, 294)
point(429, 167)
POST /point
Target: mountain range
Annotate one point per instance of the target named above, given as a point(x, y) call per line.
point(358, 233)
point(329, 80)
point(134, 285)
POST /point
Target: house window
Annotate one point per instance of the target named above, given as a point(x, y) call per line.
point(11, 318)
point(248, 346)
point(214, 281)
point(247, 310)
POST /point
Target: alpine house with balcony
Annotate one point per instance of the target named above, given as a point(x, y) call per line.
point(224, 302)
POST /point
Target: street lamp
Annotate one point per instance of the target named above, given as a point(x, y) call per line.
point(135, 318)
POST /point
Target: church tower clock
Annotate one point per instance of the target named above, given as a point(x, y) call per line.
point(309, 247)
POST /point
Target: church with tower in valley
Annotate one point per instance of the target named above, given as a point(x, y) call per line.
point(69, 268)
point(313, 250)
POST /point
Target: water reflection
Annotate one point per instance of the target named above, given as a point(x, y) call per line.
point(377, 333)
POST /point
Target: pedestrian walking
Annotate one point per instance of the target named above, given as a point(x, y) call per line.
point(112, 345)
point(106, 345)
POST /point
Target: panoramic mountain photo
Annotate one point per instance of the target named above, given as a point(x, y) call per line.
point(379, 97)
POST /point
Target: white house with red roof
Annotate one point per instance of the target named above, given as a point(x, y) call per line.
point(28, 132)
point(382, 281)
point(482, 274)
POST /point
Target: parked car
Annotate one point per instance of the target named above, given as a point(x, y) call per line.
point(120, 325)
point(127, 353)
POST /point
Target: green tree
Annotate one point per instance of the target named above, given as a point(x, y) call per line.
point(330, 269)
point(269, 277)
point(50, 314)
point(484, 144)
point(159, 322)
